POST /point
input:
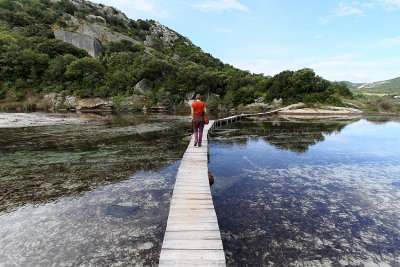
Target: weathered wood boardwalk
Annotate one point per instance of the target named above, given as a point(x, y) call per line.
point(192, 237)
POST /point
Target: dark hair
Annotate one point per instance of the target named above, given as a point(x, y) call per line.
point(198, 96)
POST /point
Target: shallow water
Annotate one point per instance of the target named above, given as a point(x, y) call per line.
point(88, 194)
point(293, 192)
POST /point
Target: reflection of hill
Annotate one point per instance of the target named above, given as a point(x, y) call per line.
point(295, 135)
point(382, 119)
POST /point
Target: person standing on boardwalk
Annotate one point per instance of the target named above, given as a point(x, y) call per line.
point(198, 109)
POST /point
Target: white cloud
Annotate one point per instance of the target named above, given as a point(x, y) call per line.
point(389, 42)
point(223, 30)
point(143, 5)
point(323, 20)
point(318, 36)
point(347, 9)
point(220, 5)
point(368, 5)
point(344, 9)
point(391, 4)
point(138, 8)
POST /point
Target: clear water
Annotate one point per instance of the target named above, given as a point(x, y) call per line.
point(296, 192)
point(95, 194)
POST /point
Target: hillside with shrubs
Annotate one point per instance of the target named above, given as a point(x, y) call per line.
point(34, 63)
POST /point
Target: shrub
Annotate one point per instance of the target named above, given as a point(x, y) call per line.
point(244, 95)
point(18, 96)
point(118, 102)
point(58, 67)
point(84, 68)
point(213, 102)
point(144, 25)
point(2, 93)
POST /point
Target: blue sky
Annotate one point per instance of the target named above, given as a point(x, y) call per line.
point(358, 41)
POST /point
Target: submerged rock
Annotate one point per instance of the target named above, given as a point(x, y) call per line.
point(210, 178)
point(122, 210)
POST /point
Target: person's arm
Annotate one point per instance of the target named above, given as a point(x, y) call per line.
point(192, 111)
point(204, 109)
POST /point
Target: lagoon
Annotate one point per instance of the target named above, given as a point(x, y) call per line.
point(288, 191)
point(308, 192)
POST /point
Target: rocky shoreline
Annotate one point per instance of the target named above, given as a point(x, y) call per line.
point(14, 120)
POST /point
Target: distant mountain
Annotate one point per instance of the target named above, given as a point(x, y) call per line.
point(383, 87)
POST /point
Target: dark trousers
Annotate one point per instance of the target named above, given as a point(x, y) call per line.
point(198, 132)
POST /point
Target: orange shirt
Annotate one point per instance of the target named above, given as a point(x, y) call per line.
point(198, 107)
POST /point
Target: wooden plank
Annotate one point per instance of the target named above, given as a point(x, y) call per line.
point(190, 226)
point(192, 235)
point(198, 255)
point(194, 212)
point(193, 219)
point(184, 263)
point(198, 244)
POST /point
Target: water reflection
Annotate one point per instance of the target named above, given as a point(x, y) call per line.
point(335, 204)
point(286, 134)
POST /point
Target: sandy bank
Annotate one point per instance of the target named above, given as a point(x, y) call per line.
point(322, 111)
point(11, 120)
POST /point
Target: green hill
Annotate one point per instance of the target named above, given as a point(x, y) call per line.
point(383, 87)
point(85, 49)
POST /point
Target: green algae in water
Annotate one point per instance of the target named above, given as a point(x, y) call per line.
point(294, 192)
point(39, 164)
point(94, 194)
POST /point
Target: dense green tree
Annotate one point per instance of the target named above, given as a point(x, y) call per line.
point(53, 47)
point(40, 30)
point(121, 60)
point(58, 67)
point(153, 68)
point(18, 63)
point(83, 68)
point(123, 46)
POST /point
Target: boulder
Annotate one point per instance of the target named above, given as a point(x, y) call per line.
point(144, 85)
point(149, 41)
point(259, 100)
point(89, 103)
point(97, 19)
point(277, 102)
point(259, 106)
point(72, 21)
point(190, 95)
point(55, 99)
point(76, 103)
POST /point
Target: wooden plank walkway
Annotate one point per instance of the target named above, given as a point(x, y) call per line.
point(192, 237)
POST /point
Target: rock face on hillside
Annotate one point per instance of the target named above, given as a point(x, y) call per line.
point(90, 44)
point(103, 33)
point(168, 36)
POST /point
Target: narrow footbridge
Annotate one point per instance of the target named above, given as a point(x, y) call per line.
point(192, 237)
